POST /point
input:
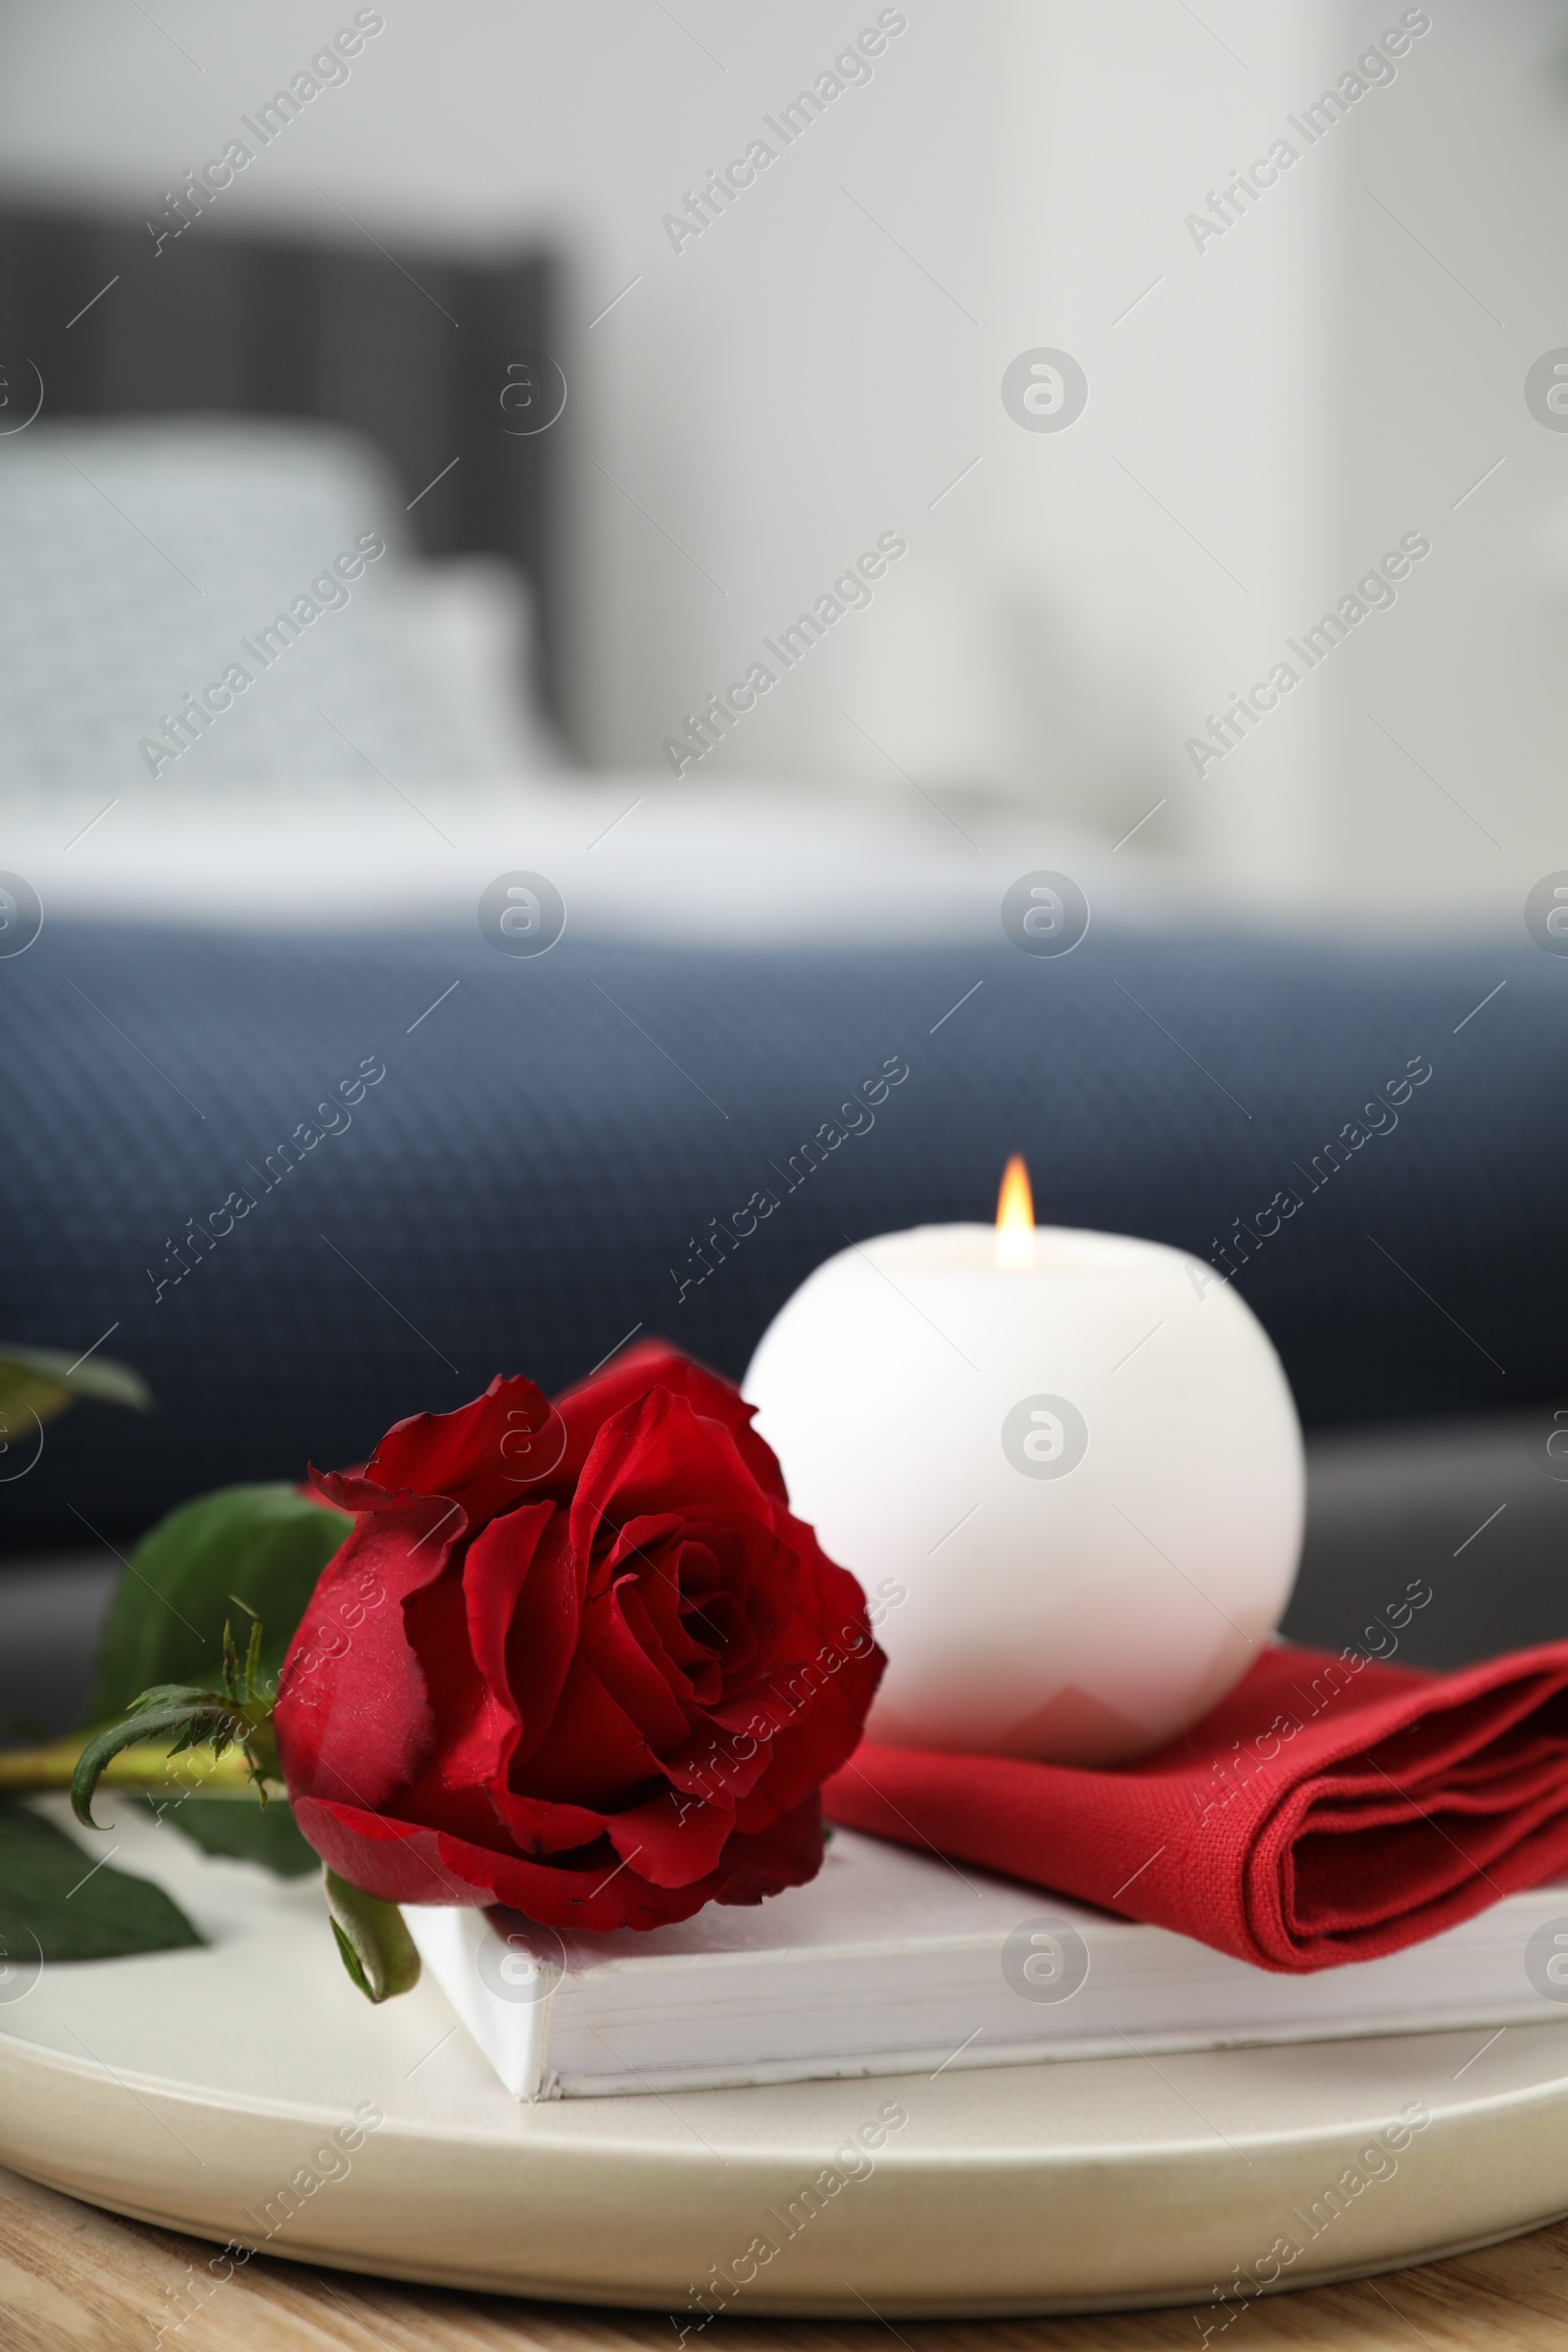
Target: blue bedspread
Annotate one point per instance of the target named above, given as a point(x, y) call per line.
point(296, 1251)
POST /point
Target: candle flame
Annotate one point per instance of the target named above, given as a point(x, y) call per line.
point(1015, 1219)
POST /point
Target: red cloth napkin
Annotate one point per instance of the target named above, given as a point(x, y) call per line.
point(1331, 1808)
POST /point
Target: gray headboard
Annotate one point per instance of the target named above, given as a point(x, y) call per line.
point(409, 350)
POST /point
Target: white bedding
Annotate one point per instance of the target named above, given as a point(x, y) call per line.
point(632, 855)
point(383, 763)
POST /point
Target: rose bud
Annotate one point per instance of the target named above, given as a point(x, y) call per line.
point(578, 1658)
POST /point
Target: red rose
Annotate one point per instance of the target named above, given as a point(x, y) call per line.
point(578, 1658)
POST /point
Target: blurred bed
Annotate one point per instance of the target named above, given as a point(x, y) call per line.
point(231, 416)
point(244, 899)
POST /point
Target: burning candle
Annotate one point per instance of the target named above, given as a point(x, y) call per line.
point(1066, 1467)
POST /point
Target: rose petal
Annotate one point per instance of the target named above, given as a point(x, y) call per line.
point(672, 1841)
point(351, 1716)
point(458, 1628)
point(593, 1753)
point(788, 1853)
point(719, 1768)
point(479, 1455)
point(802, 1756)
point(654, 1364)
point(645, 1691)
point(404, 1863)
point(543, 1639)
point(658, 1454)
point(677, 1637)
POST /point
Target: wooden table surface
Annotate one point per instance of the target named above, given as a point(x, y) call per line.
point(75, 2279)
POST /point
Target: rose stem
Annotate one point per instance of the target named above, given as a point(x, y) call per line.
point(27, 1771)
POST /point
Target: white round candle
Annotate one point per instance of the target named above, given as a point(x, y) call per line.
point(1073, 1489)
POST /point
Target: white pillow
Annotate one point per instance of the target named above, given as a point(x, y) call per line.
point(150, 563)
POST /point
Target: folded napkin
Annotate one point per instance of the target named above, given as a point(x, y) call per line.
point(1331, 1808)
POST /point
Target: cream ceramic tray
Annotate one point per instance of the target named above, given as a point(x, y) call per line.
point(215, 2091)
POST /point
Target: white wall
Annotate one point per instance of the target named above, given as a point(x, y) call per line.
point(1276, 410)
point(1469, 676)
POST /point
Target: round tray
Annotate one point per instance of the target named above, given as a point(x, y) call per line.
point(215, 2091)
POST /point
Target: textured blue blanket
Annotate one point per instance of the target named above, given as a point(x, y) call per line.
point(316, 1184)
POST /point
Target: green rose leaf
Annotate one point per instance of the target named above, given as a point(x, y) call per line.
point(54, 1901)
point(264, 1547)
point(239, 1830)
point(45, 1380)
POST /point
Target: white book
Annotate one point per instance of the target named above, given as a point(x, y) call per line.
point(893, 1962)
